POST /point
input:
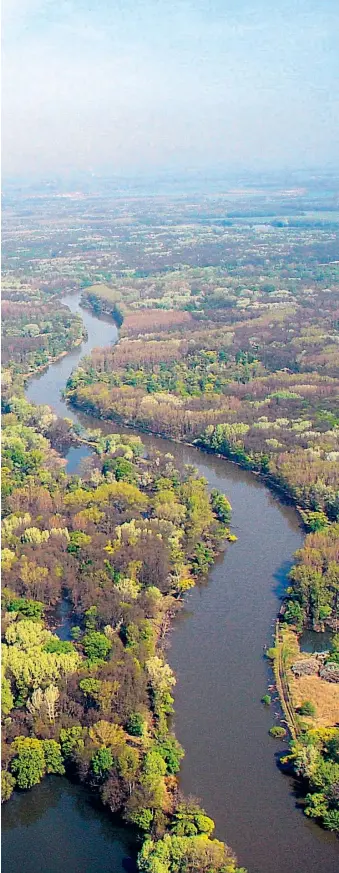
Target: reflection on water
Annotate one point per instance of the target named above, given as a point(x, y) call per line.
point(75, 455)
point(56, 827)
point(310, 641)
point(63, 620)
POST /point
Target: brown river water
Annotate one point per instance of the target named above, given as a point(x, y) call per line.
point(216, 650)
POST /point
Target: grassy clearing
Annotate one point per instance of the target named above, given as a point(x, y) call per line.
point(324, 695)
point(112, 295)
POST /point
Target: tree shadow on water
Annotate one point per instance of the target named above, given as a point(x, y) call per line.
point(280, 577)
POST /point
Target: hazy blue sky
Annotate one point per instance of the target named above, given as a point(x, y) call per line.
point(125, 85)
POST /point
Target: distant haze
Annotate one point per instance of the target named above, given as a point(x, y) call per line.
point(142, 85)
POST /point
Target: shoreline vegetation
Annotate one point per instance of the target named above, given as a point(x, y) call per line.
point(240, 353)
point(43, 367)
point(215, 395)
point(311, 706)
point(312, 600)
point(35, 333)
point(270, 482)
point(123, 543)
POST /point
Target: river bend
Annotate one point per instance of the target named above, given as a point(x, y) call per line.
point(216, 650)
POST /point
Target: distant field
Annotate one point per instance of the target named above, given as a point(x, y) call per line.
point(154, 319)
point(103, 291)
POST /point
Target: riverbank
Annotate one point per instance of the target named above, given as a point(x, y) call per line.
point(280, 674)
point(79, 387)
point(58, 825)
point(131, 543)
point(221, 682)
point(43, 367)
point(265, 478)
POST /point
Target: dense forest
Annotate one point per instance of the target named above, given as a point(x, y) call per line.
point(260, 386)
point(261, 390)
point(122, 544)
point(313, 595)
point(228, 316)
point(33, 333)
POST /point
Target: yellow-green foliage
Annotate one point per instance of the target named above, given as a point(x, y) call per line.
point(25, 661)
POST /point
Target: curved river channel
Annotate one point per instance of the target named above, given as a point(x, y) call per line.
point(216, 650)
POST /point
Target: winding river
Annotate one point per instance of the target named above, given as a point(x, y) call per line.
point(216, 649)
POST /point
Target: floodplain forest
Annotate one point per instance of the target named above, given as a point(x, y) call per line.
point(228, 318)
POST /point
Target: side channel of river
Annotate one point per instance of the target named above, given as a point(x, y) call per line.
point(216, 649)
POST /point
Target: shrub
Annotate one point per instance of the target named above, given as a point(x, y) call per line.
point(171, 751)
point(135, 724)
point(294, 614)
point(266, 699)
point(331, 820)
point(221, 506)
point(277, 731)
point(53, 757)
point(96, 645)
point(303, 726)
point(307, 708)
point(58, 647)
point(29, 766)
point(102, 762)
point(7, 785)
point(28, 608)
